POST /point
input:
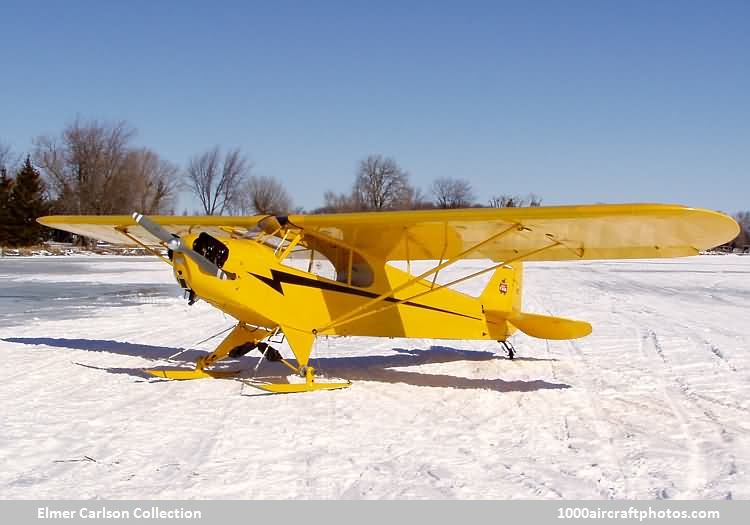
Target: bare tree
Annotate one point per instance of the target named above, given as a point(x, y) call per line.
point(417, 200)
point(93, 169)
point(264, 196)
point(534, 200)
point(338, 203)
point(742, 241)
point(504, 201)
point(86, 166)
point(216, 181)
point(452, 193)
point(381, 184)
point(153, 181)
point(515, 201)
point(743, 218)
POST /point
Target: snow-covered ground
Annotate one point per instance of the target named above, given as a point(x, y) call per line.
point(654, 404)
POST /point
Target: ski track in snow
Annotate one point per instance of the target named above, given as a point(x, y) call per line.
point(654, 404)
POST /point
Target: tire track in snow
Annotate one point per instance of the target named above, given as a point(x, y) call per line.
point(650, 347)
point(674, 388)
point(647, 316)
point(602, 423)
point(693, 394)
point(681, 329)
point(431, 410)
point(431, 478)
point(697, 476)
point(681, 393)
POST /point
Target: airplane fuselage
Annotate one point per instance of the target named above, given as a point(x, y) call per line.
point(271, 293)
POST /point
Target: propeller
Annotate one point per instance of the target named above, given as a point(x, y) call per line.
point(175, 244)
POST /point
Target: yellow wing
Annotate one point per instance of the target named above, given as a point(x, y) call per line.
point(619, 231)
point(115, 229)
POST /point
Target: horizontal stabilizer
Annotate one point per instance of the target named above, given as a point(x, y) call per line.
point(545, 326)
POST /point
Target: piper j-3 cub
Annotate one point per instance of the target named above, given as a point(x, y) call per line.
point(260, 270)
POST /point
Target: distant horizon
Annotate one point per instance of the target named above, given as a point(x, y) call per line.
point(187, 202)
point(579, 103)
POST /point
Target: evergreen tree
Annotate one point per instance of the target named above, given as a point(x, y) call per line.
point(6, 184)
point(27, 202)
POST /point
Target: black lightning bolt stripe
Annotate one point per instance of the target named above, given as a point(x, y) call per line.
point(282, 277)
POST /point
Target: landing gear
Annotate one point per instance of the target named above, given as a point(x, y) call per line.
point(240, 336)
point(309, 385)
point(241, 340)
point(269, 352)
point(508, 348)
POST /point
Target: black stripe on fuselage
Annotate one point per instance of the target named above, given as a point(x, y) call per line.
point(282, 277)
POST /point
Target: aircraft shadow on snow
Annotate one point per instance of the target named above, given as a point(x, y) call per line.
point(363, 368)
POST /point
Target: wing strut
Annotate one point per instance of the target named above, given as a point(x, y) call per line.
point(124, 231)
point(350, 318)
point(382, 297)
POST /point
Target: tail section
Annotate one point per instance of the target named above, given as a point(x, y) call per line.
point(503, 292)
point(501, 301)
point(541, 326)
point(548, 327)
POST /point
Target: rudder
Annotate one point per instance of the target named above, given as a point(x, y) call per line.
point(503, 292)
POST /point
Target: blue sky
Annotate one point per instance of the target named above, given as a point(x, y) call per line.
point(576, 101)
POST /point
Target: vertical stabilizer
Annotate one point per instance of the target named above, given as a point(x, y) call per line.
point(503, 292)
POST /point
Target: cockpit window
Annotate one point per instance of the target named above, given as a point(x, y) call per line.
point(311, 262)
point(332, 261)
point(313, 253)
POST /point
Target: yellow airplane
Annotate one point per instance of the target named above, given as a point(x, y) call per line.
point(265, 271)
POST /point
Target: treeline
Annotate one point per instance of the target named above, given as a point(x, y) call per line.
point(742, 241)
point(381, 184)
point(88, 168)
point(93, 167)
